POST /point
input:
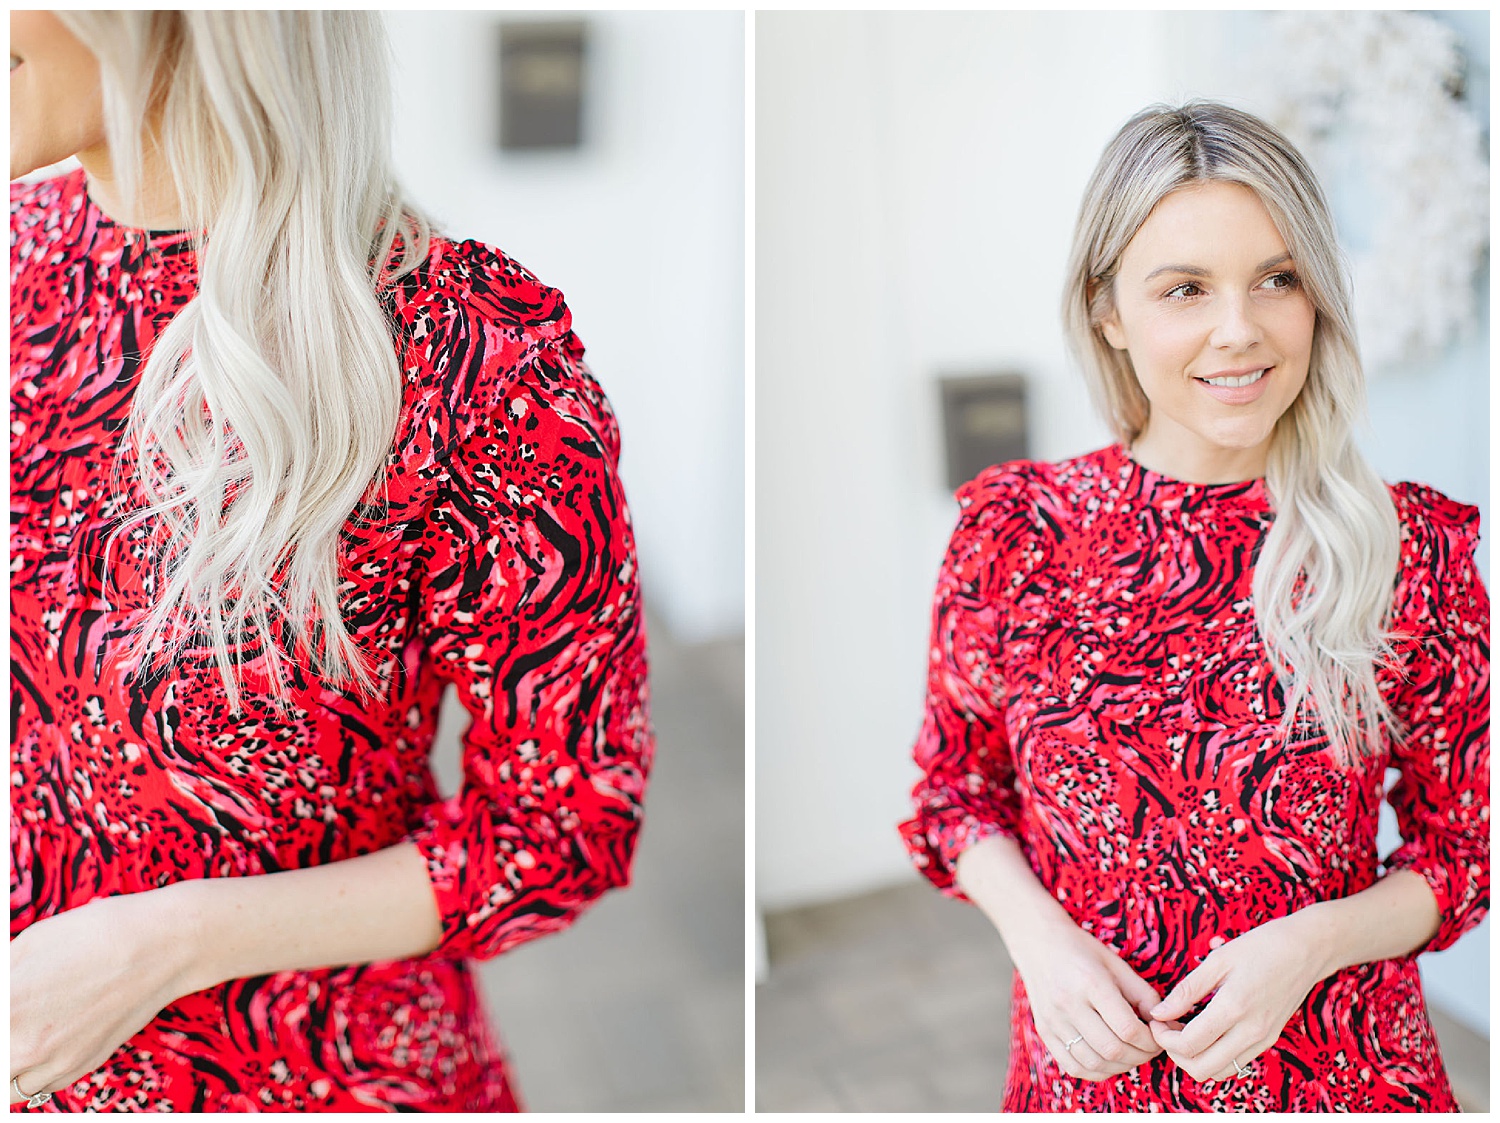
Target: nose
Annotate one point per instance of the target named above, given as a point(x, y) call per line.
point(1236, 328)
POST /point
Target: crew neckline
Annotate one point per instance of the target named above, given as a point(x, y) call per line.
point(1152, 483)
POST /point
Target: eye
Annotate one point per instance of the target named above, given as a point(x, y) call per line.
point(1184, 291)
point(1281, 282)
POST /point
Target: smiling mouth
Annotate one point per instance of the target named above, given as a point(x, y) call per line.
point(1232, 380)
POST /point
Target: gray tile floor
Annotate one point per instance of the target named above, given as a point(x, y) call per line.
point(900, 1001)
point(640, 1006)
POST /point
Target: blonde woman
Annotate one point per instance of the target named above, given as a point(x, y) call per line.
point(1167, 677)
point(284, 465)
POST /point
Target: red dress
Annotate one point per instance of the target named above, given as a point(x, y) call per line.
point(500, 559)
point(1098, 691)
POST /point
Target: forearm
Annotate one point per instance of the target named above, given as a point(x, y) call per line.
point(1394, 917)
point(375, 907)
point(996, 876)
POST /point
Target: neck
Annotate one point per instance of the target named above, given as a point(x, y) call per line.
point(155, 205)
point(1198, 463)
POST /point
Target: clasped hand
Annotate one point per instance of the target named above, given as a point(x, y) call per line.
point(1082, 992)
point(83, 982)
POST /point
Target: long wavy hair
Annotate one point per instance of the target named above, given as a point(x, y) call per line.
point(268, 405)
point(1325, 575)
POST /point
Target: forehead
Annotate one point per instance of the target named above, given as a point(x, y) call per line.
point(1204, 224)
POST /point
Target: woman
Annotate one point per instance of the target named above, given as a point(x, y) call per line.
point(283, 466)
point(1167, 677)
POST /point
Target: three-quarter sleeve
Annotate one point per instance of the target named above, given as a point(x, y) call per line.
point(531, 608)
point(966, 792)
point(1441, 799)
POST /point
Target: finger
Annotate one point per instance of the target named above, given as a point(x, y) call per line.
point(1066, 1058)
point(1193, 989)
point(30, 1084)
point(1141, 995)
point(1126, 1024)
point(1235, 1052)
point(1086, 1063)
point(1114, 1054)
point(1225, 1012)
point(1225, 1061)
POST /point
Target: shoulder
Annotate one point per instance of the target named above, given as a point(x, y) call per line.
point(1012, 514)
point(471, 289)
point(1037, 493)
point(1437, 574)
point(42, 213)
point(41, 195)
point(1433, 527)
point(480, 338)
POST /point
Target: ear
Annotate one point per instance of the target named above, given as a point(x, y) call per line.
point(1108, 324)
point(1114, 334)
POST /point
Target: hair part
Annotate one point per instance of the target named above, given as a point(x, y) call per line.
point(268, 405)
point(1325, 574)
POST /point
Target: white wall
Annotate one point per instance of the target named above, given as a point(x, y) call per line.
point(917, 180)
point(916, 183)
point(643, 231)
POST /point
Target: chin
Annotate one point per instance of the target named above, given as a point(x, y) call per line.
point(1239, 438)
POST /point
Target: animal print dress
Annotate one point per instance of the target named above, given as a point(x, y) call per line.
point(498, 557)
point(1098, 691)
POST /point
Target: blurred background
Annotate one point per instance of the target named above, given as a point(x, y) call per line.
point(917, 180)
point(605, 152)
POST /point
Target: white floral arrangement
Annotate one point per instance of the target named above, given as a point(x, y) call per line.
point(1371, 98)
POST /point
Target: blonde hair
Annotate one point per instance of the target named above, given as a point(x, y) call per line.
point(269, 403)
point(1325, 576)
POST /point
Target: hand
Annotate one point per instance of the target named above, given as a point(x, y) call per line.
point(1078, 986)
point(84, 981)
point(1257, 982)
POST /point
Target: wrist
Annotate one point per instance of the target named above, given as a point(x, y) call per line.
point(1320, 928)
point(1036, 921)
point(192, 936)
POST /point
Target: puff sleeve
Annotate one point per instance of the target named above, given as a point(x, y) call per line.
point(532, 610)
point(1441, 799)
point(967, 789)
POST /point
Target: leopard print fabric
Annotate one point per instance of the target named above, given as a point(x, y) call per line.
point(498, 557)
point(1098, 691)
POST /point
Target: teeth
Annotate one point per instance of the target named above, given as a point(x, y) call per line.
point(1239, 380)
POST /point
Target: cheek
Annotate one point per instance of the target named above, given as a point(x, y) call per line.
point(53, 115)
point(1162, 347)
point(56, 107)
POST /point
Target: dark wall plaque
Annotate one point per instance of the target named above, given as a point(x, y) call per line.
point(541, 85)
point(984, 423)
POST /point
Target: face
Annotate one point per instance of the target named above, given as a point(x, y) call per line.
point(56, 109)
point(1210, 308)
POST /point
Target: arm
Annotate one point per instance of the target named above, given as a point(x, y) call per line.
point(555, 762)
point(965, 835)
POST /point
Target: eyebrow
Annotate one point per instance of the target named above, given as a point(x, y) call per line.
point(1199, 271)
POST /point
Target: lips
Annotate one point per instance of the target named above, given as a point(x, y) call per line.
point(1237, 387)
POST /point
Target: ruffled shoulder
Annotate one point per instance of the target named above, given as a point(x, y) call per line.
point(1438, 539)
point(1004, 526)
point(480, 337)
point(1435, 530)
